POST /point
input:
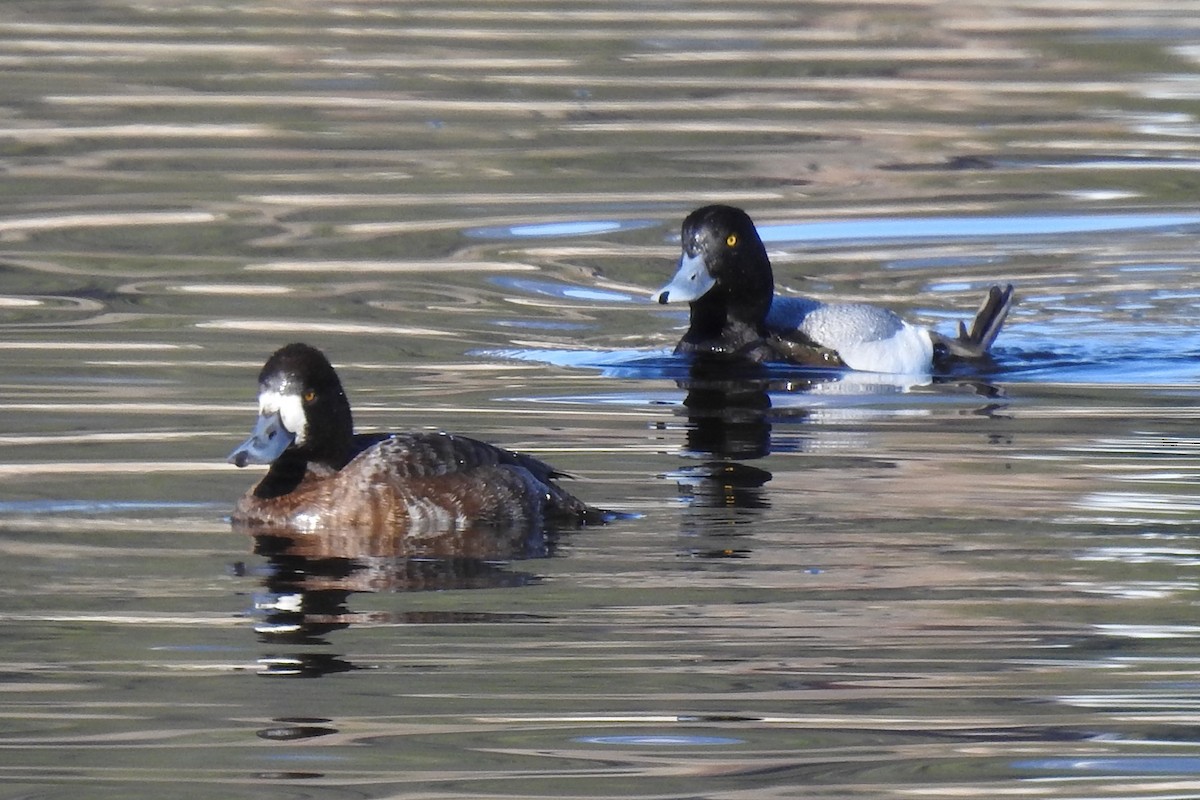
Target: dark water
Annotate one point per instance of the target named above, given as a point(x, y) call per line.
point(835, 586)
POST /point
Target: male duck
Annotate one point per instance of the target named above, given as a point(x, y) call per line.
point(325, 477)
point(725, 274)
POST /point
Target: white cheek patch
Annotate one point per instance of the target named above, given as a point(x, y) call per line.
point(291, 412)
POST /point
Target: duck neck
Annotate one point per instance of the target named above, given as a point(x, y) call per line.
point(718, 329)
point(291, 468)
point(734, 314)
point(331, 445)
point(756, 287)
point(283, 477)
point(710, 316)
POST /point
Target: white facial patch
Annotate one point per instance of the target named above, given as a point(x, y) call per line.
point(291, 412)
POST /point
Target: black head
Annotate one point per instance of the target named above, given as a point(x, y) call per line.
point(723, 272)
point(303, 411)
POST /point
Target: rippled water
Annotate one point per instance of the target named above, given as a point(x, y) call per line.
point(829, 586)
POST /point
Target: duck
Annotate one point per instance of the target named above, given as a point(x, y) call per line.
point(725, 275)
point(323, 477)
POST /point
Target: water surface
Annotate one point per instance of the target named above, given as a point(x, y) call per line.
point(827, 585)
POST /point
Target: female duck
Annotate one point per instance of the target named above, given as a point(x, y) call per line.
point(725, 274)
point(324, 477)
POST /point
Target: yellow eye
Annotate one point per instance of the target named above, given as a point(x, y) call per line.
point(309, 396)
point(731, 239)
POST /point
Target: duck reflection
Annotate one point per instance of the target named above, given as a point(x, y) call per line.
point(308, 579)
point(340, 512)
point(729, 418)
point(728, 415)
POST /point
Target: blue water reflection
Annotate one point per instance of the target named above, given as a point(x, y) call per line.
point(1117, 765)
point(875, 228)
point(561, 290)
point(1083, 348)
point(659, 740)
point(663, 364)
point(97, 506)
point(541, 325)
point(544, 230)
point(953, 227)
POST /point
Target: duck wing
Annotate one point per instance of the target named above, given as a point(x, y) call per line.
point(419, 456)
point(426, 455)
point(797, 348)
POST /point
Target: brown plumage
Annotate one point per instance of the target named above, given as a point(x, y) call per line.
point(381, 493)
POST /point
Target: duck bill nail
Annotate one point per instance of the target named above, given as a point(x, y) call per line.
point(691, 282)
point(268, 441)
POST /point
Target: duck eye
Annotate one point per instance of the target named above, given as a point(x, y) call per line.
point(309, 395)
point(731, 239)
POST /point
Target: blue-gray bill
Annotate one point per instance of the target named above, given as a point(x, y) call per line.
point(269, 439)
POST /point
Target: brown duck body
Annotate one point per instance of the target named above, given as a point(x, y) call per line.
point(383, 494)
point(413, 484)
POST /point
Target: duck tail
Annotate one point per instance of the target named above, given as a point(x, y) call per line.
point(989, 319)
point(567, 511)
